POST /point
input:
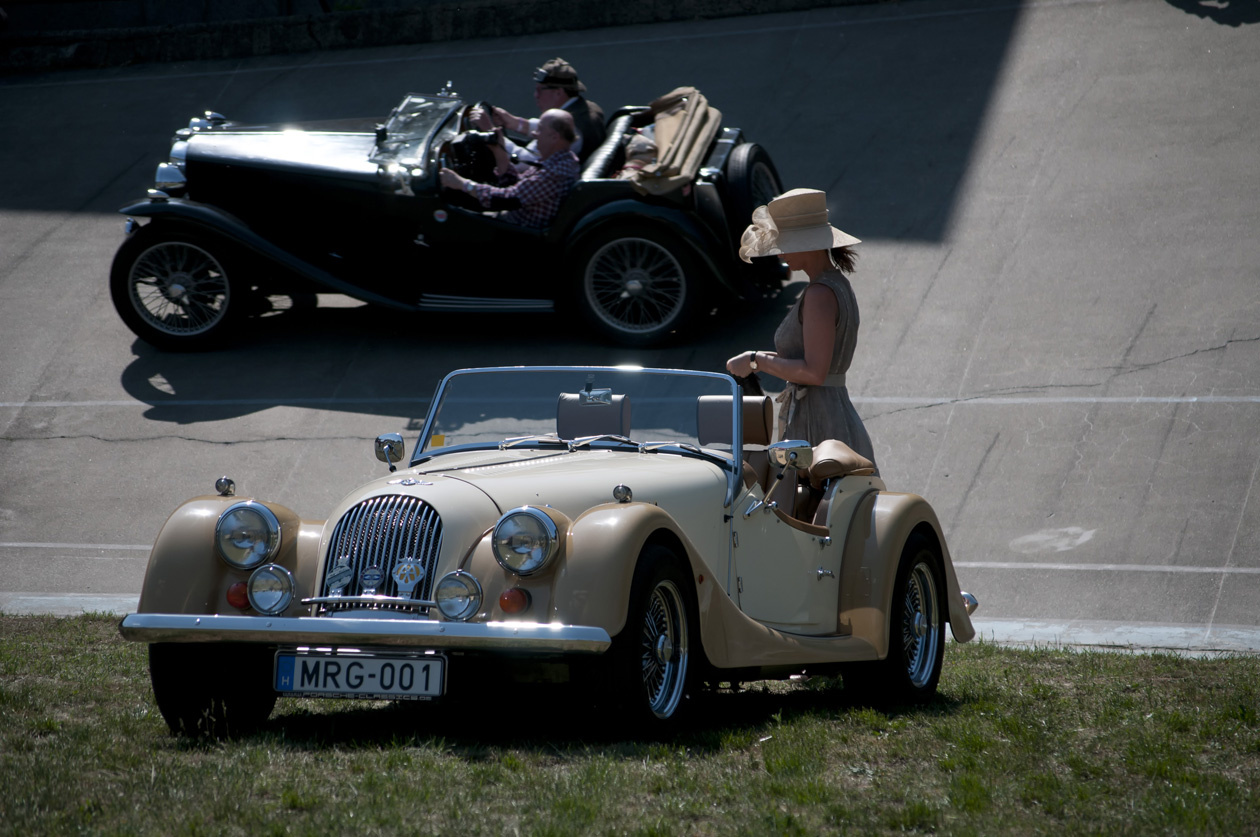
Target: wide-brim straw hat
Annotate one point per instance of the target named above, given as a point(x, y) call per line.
point(794, 222)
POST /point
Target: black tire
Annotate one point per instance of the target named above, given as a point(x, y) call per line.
point(176, 289)
point(657, 654)
point(212, 691)
point(916, 634)
point(753, 181)
point(636, 285)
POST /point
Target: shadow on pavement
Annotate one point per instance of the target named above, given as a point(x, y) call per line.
point(316, 357)
point(1224, 12)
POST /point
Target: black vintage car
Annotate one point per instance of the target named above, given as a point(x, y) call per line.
point(243, 213)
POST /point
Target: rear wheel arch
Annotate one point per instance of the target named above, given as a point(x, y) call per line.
point(915, 623)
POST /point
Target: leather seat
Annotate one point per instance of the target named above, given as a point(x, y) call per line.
point(578, 415)
point(713, 421)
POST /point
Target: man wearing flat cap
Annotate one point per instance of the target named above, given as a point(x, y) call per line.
point(556, 85)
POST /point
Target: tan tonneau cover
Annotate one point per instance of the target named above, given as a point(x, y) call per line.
point(685, 127)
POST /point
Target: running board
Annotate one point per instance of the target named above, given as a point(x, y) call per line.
point(486, 305)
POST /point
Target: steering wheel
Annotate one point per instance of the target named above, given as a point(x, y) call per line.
point(465, 121)
point(469, 153)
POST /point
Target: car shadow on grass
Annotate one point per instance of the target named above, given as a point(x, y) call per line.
point(560, 722)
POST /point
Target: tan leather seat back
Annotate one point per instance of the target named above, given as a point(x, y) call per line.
point(713, 419)
point(713, 427)
point(577, 415)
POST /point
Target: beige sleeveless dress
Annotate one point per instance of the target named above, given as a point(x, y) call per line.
point(817, 413)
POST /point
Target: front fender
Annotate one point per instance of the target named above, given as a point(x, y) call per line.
point(881, 526)
point(602, 549)
point(232, 228)
point(186, 575)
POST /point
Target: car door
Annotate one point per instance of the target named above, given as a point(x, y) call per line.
point(787, 571)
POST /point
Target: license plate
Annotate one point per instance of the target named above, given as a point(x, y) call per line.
point(360, 676)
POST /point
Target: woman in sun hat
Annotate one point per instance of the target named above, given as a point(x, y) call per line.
point(814, 344)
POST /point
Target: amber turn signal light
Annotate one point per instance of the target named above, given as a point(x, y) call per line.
point(513, 600)
point(238, 596)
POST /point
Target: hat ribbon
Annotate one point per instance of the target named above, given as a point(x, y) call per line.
point(760, 237)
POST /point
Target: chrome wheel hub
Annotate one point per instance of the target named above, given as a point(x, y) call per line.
point(664, 649)
point(636, 284)
point(177, 288)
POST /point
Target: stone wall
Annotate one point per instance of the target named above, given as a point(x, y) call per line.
point(42, 35)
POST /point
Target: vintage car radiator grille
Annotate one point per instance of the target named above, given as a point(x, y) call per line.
point(381, 532)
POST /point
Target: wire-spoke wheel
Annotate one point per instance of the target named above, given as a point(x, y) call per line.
point(173, 289)
point(916, 634)
point(636, 287)
point(663, 649)
point(921, 625)
point(653, 660)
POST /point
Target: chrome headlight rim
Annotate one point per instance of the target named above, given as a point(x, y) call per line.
point(287, 582)
point(270, 521)
point(169, 178)
point(549, 530)
point(472, 589)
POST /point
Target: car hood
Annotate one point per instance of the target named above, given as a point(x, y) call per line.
point(573, 481)
point(356, 146)
point(470, 490)
point(265, 147)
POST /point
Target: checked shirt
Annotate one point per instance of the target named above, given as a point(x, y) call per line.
point(539, 187)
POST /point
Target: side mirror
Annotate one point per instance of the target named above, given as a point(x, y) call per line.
point(389, 448)
point(792, 453)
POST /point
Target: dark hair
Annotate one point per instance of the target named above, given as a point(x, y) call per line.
point(845, 258)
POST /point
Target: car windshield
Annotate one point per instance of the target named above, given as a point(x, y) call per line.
point(652, 410)
point(409, 128)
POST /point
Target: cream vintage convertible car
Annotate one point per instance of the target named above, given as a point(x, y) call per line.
point(628, 531)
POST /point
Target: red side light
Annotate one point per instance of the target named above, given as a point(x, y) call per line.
point(514, 600)
point(238, 596)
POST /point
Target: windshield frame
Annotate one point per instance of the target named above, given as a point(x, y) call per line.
point(732, 468)
point(399, 132)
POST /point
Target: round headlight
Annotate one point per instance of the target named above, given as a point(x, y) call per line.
point(458, 596)
point(270, 589)
point(525, 539)
point(247, 535)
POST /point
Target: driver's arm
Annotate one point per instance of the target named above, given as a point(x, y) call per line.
point(503, 196)
point(512, 122)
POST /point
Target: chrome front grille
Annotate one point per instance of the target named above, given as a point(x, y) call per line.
point(381, 532)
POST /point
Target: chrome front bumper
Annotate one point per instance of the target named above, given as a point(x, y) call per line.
point(502, 637)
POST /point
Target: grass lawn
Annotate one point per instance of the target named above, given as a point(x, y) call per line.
point(1017, 742)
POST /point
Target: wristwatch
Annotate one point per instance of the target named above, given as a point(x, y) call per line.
point(752, 364)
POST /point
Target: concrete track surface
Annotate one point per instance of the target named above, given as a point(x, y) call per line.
point(1059, 284)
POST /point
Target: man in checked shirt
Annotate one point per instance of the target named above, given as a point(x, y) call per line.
point(530, 192)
